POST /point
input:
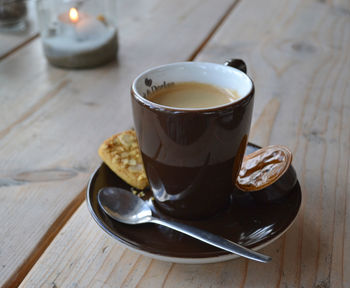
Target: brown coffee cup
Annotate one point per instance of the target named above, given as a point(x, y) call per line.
point(192, 156)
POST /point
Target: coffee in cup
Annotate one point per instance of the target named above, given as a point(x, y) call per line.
point(193, 95)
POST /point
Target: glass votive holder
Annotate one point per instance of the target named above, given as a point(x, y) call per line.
point(78, 34)
point(12, 14)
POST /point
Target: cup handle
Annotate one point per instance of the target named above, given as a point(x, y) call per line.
point(238, 64)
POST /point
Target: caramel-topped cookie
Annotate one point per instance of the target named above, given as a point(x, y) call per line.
point(121, 153)
point(263, 167)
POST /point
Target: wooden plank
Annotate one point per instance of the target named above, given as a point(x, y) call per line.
point(297, 53)
point(12, 40)
point(52, 120)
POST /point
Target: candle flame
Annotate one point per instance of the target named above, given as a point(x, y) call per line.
point(73, 15)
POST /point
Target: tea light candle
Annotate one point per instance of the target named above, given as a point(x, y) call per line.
point(79, 40)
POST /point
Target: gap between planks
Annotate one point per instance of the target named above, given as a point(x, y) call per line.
point(45, 241)
point(15, 49)
point(66, 214)
point(212, 32)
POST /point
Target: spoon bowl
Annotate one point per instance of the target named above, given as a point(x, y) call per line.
point(124, 206)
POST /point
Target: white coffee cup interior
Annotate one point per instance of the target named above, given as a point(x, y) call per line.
point(209, 73)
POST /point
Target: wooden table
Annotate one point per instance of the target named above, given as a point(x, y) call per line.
point(52, 122)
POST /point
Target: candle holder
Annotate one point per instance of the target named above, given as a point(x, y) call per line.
point(12, 15)
point(78, 34)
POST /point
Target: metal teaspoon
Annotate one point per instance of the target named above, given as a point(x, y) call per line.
point(125, 207)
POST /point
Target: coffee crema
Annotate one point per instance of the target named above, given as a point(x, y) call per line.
point(193, 95)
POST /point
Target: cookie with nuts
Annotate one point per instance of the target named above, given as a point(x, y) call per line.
point(121, 153)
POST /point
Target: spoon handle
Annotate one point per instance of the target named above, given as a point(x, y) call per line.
point(213, 240)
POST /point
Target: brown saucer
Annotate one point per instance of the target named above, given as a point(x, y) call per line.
point(247, 221)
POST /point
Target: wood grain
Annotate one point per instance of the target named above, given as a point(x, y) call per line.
point(10, 41)
point(52, 120)
point(297, 54)
point(260, 133)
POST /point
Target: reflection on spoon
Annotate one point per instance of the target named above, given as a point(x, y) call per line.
point(125, 207)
